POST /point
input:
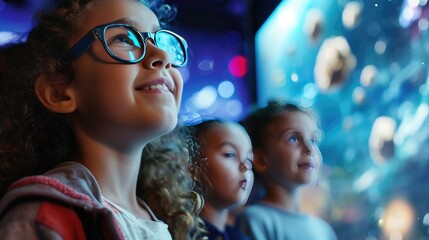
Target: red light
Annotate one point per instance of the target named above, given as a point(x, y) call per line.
point(238, 66)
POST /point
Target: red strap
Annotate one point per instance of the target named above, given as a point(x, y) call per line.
point(61, 219)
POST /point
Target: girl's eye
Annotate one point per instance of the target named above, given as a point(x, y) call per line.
point(292, 139)
point(314, 141)
point(122, 39)
point(229, 155)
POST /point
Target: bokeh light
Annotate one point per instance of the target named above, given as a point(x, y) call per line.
point(206, 65)
point(310, 91)
point(205, 98)
point(294, 77)
point(397, 219)
point(359, 95)
point(368, 74)
point(234, 108)
point(226, 89)
point(351, 14)
point(238, 66)
point(6, 37)
point(380, 47)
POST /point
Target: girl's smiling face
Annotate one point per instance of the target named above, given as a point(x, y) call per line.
point(229, 154)
point(124, 102)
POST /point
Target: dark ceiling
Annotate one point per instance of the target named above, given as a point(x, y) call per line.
point(209, 15)
point(223, 15)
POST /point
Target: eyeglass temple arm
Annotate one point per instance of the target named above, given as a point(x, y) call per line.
point(80, 47)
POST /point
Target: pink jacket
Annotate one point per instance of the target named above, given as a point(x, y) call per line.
point(64, 203)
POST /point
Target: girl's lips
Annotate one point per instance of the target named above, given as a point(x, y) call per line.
point(306, 165)
point(243, 184)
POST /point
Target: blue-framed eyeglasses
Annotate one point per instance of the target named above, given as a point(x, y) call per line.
point(127, 45)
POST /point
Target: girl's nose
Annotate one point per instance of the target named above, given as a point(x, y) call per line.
point(309, 148)
point(155, 57)
point(245, 165)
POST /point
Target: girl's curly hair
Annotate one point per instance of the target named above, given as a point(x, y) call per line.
point(166, 184)
point(199, 162)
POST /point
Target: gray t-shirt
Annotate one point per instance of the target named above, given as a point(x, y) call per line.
point(264, 222)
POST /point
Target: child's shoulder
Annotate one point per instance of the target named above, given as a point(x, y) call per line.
point(259, 210)
point(69, 182)
point(31, 218)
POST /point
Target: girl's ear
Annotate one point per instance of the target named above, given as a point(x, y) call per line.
point(55, 96)
point(259, 162)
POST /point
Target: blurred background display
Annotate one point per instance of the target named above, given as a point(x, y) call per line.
point(362, 65)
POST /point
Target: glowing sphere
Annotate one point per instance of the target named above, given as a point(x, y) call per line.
point(351, 14)
point(313, 26)
point(368, 75)
point(398, 219)
point(381, 143)
point(359, 95)
point(334, 62)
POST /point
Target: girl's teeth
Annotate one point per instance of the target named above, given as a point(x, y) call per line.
point(156, 87)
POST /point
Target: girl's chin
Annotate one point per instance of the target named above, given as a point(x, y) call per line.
point(310, 181)
point(166, 122)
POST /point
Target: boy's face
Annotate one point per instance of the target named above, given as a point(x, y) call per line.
point(228, 149)
point(291, 151)
point(125, 101)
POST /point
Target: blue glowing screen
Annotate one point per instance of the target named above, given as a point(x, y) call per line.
point(363, 66)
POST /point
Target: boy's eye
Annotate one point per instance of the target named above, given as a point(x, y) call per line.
point(314, 141)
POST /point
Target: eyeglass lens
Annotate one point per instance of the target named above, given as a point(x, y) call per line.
point(172, 46)
point(126, 44)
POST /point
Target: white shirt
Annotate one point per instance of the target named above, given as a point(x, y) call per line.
point(134, 228)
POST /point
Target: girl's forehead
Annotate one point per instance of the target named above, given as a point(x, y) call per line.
point(296, 119)
point(226, 132)
point(106, 11)
point(218, 131)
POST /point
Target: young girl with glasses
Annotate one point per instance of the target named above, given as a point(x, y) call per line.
point(223, 170)
point(94, 83)
point(286, 157)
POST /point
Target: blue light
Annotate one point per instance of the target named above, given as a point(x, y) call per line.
point(226, 89)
